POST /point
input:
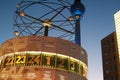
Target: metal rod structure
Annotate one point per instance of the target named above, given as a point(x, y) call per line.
point(77, 10)
point(77, 32)
point(46, 31)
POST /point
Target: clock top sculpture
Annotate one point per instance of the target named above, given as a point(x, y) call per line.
point(58, 18)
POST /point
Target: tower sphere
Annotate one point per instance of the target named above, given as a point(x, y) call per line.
point(77, 8)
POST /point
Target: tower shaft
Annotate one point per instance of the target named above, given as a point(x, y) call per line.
point(77, 32)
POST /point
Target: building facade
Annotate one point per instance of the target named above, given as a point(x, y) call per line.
point(117, 27)
point(110, 57)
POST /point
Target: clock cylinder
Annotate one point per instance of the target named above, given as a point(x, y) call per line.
point(42, 58)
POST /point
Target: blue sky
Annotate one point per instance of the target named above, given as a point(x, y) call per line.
point(97, 22)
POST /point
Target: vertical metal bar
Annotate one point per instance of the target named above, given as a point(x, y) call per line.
point(77, 32)
point(46, 31)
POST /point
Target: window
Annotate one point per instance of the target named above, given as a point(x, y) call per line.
point(9, 60)
point(33, 59)
point(62, 62)
point(74, 66)
point(20, 59)
point(48, 60)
